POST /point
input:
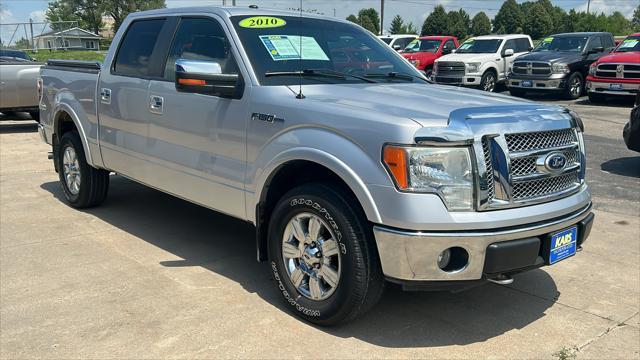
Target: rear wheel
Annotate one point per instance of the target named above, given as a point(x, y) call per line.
point(574, 87)
point(323, 256)
point(83, 185)
point(488, 81)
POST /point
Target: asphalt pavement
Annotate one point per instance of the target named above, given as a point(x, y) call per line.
point(147, 275)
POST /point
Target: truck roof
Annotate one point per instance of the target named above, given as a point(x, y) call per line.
point(436, 37)
point(227, 11)
point(585, 33)
point(506, 36)
point(395, 36)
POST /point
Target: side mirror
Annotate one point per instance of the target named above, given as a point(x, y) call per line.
point(530, 48)
point(446, 51)
point(508, 52)
point(397, 47)
point(206, 77)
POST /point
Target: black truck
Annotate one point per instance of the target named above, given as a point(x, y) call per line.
point(560, 63)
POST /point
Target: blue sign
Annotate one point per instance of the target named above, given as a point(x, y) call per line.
point(563, 244)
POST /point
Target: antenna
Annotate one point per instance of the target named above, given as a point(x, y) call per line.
point(300, 94)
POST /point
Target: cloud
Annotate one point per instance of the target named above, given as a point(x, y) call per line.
point(609, 6)
point(37, 16)
point(6, 16)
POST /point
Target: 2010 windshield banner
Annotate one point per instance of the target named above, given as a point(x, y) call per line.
point(262, 22)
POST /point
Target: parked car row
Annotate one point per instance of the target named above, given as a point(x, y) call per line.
point(568, 64)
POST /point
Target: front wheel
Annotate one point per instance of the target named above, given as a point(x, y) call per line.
point(83, 185)
point(322, 254)
point(488, 81)
point(574, 87)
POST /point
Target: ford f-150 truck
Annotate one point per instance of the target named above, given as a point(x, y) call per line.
point(482, 61)
point(424, 51)
point(559, 64)
point(617, 73)
point(245, 111)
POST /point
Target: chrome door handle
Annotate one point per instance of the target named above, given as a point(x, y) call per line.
point(105, 96)
point(156, 104)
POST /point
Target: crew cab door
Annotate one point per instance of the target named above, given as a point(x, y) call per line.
point(197, 142)
point(122, 98)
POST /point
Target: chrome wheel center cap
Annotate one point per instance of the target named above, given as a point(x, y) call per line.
point(311, 256)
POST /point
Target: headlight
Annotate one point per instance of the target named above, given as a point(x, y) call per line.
point(445, 171)
point(561, 69)
point(592, 69)
point(473, 67)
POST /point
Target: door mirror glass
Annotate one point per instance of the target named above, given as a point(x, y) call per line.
point(397, 47)
point(446, 51)
point(508, 52)
point(206, 77)
point(596, 50)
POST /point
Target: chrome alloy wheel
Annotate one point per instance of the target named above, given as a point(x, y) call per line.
point(490, 83)
point(576, 86)
point(311, 256)
point(71, 170)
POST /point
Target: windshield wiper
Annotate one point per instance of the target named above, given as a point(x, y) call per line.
point(319, 73)
point(395, 75)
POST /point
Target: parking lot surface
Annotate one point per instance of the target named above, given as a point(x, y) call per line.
point(147, 275)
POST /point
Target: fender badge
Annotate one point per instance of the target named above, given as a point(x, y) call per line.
point(266, 118)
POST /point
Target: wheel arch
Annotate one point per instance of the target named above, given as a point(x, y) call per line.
point(66, 119)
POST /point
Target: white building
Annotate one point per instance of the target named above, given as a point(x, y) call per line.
point(74, 38)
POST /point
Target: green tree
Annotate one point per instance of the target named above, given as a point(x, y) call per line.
point(370, 20)
point(436, 23)
point(353, 19)
point(23, 43)
point(617, 24)
point(458, 23)
point(539, 22)
point(397, 25)
point(119, 9)
point(509, 18)
point(409, 28)
point(480, 24)
point(635, 20)
point(88, 14)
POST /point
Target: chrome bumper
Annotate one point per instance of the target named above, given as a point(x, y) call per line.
point(553, 84)
point(412, 256)
point(601, 87)
point(43, 136)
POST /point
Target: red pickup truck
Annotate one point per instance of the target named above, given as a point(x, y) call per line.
point(617, 73)
point(423, 52)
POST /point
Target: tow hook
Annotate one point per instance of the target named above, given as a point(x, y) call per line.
point(502, 279)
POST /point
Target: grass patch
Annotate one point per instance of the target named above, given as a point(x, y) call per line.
point(565, 353)
point(84, 55)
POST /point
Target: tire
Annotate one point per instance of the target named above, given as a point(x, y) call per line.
point(352, 256)
point(87, 186)
point(488, 81)
point(35, 115)
point(575, 86)
point(596, 98)
point(428, 71)
point(517, 92)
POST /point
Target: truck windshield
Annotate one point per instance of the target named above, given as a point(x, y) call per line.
point(632, 43)
point(281, 48)
point(418, 45)
point(473, 46)
point(564, 43)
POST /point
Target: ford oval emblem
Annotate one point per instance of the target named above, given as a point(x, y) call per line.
point(555, 162)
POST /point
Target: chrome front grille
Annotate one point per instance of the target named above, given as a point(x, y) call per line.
point(618, 71)
point(516, 170)
point(450, 68)
point(531, 68)
point(540, 140)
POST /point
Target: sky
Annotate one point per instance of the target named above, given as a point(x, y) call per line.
point(13, 11)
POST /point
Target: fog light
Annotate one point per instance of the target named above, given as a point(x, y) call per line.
point(444, 258)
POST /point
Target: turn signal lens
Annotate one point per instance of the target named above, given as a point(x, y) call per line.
point(191, 82)
point(396, 160)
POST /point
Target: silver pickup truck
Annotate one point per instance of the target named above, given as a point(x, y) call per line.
point(353, 168)
point(18, 83)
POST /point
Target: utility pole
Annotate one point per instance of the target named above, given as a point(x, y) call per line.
point(588, 6)
point(233, 2)
point(33, 44)
point(381, 17)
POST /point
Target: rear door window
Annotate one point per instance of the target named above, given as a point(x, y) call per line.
point(134, 55)
point(595, 42)
point(522, 45)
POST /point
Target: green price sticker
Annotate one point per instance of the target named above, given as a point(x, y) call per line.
point(547, 40)
point(262, 22)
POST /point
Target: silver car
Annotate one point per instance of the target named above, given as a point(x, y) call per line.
point(354, 169)
point(18, 83)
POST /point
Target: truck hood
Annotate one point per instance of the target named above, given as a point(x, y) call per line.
point(423, 56)
point(427, 104)
point(469, 57)
point(551, 56)
point(628, 57)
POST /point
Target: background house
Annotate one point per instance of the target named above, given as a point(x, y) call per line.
point(74, 38)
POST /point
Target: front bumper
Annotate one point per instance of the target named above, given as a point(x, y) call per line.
point(411, 256)
point(553, 83)
point(466, 80)
point(612, 87)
